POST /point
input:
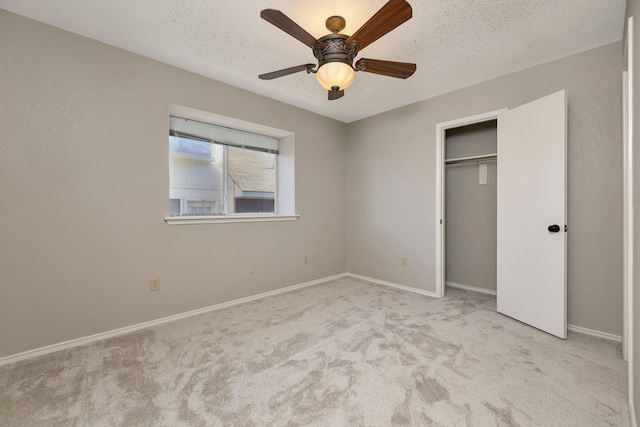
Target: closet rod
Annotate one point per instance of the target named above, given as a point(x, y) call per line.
point(473, 159)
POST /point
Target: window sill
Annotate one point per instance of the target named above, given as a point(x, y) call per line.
point(190, 220)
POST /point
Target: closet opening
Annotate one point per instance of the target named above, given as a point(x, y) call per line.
point(441, 136)
point(470, 206)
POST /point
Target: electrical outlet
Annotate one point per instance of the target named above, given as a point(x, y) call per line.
point(405, 262)
point(252, 267)
point(154, 284)
point(306, 259)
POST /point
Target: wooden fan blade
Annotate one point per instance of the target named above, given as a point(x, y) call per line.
point(400, 70)
point(335, 94)
point(286, 71)
point(287, 25)
point(392, 14)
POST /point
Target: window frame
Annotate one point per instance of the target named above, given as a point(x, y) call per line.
point(284, 200)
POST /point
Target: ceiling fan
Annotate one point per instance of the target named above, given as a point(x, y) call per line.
point(335, 52)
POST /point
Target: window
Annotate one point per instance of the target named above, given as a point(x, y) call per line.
point(219, 170)
point(224, 169)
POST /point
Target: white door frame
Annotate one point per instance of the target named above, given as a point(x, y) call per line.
point(625, 214)
point(628, 224)
point(441, 129)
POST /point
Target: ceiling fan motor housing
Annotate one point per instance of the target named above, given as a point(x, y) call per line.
point(335, 50)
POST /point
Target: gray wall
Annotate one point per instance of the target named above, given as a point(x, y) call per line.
point(472, 140)
point(470, 208)
point(391, 180)
point(84, 183)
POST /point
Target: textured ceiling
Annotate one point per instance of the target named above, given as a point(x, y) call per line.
point(455, 43)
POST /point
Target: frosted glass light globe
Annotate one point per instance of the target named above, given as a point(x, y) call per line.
point(335, 74)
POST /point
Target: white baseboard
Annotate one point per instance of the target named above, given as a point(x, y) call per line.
point(470, 288)
point(393, 285)
point(594, 333)
point(128, 329)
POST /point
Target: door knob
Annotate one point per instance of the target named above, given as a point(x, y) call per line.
point(554, 228)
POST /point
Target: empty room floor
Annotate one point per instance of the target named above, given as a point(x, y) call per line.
point(346, 352)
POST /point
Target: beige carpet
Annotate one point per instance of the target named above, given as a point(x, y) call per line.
point(344, 353)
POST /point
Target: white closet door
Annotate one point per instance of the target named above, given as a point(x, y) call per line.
point(531, 254)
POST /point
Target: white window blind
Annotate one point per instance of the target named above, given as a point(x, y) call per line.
point(194, 129)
